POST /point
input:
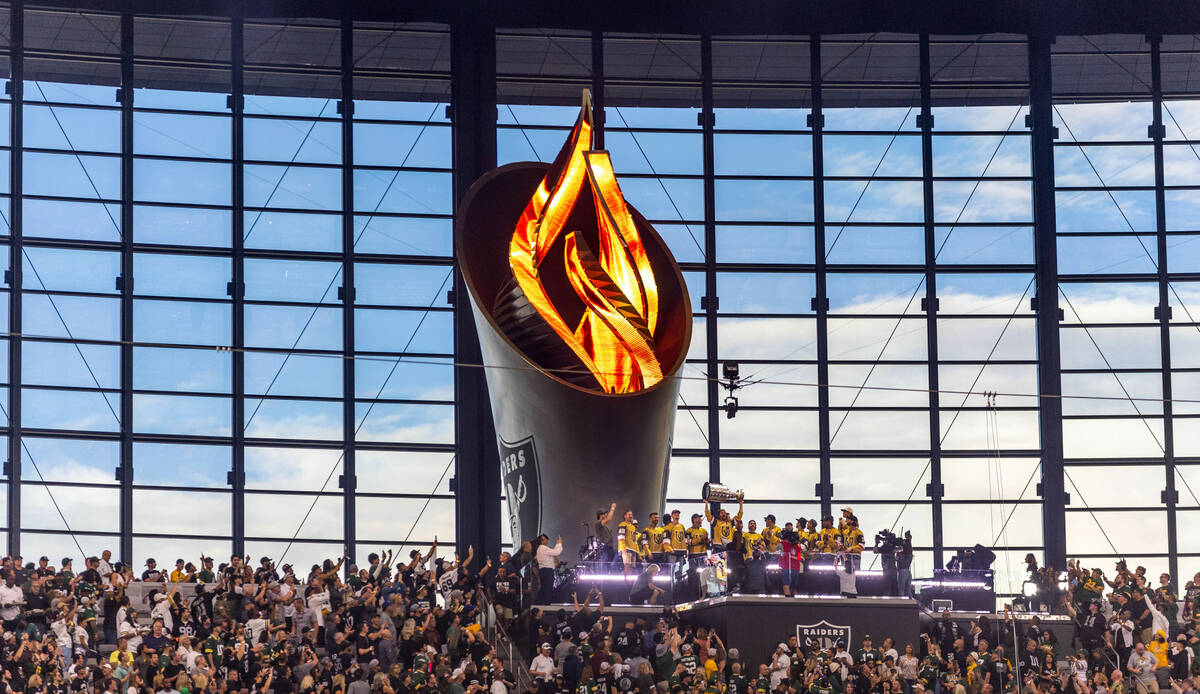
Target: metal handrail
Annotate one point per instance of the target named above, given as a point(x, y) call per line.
point(499, 638)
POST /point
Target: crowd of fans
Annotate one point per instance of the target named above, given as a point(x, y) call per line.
point(429, 624)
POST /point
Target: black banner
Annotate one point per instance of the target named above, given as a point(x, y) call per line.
point(522, 487)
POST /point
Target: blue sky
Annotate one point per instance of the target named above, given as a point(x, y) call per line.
point(303, 204)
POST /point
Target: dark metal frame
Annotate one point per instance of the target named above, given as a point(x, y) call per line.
point(476, 486)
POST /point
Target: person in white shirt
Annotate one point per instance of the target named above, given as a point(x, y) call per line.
point(544, 555)
point(11, 599)
point(780, 666)
point(888, 647)
point(105, 568)
point(542, 666)
point(162, 610)
point(63, 629)
point(255, 626)
point(1123, 629)
point(319, 602)
point(127, 629)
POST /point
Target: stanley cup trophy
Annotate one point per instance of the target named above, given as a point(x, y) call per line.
point(584, 322)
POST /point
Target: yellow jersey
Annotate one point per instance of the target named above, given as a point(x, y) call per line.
point(852, 539)
point(697, 540)
point(722, 530)
point(829, 539)
point(678, 536)
point(812, 539)
point(748, 540)
point(771, 537)
point(654, 538)
point(627, 537)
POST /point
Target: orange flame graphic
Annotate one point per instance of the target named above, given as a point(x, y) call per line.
point(614, 337)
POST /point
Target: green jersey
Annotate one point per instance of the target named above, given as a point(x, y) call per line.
point(762, 684)
point(690, 663)
point(206, 576)
point(213, 647)
point(738, 685)
point(588, 687)
point(867, 656)
point(818, 689)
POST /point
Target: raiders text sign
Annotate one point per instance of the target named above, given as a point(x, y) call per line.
point(522, 487)
point(823, 634)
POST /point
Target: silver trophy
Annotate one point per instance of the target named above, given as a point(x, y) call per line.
point(715, 491)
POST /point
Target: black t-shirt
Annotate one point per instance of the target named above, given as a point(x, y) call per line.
point(507, 590)
point(626, 643)
point(583, 621)
point(360, 643)
point(561, 628)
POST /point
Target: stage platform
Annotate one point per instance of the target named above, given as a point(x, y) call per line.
point(754, 624)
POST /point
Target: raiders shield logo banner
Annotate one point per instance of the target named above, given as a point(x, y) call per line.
point(822, 634)
point(522, 487)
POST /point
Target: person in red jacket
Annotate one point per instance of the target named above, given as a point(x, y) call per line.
point(791, 561)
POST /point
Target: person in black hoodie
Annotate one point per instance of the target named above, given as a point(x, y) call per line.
point(572, 669)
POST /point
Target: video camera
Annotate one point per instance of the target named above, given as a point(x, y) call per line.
point(887, 542)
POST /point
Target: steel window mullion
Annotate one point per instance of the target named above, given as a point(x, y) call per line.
point(934, 490)
point(348, 480)
point(824, 490)
point(711, 300)
point(1053, 489)
point(125, 471)
point(473, 101)
point(1170, 494)
point(237, 473)
point(15, 250)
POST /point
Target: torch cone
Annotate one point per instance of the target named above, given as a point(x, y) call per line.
point(584, 322)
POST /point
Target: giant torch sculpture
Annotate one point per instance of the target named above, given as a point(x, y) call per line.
point(584, 322)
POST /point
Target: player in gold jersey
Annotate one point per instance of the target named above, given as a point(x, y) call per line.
point(750, 538)
point(677, 534)
point(770, 533)
point(831, 537)
point(852, 541)
point(697, 548)
point(722, 525)
point(627, 541)
point(654, 534)
point(810, 538)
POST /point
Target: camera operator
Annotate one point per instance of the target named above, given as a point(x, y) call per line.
point(887, 546)
point(904, 560)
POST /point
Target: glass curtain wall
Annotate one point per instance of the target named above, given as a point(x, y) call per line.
point(230, 251)
point(220, 214)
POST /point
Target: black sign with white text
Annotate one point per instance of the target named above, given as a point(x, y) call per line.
point(522, 487)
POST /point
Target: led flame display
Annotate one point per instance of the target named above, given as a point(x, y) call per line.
point(613, 335)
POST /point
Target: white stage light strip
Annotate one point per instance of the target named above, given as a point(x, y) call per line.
point(618, 578)
point(830, 569)
point(951, 584)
